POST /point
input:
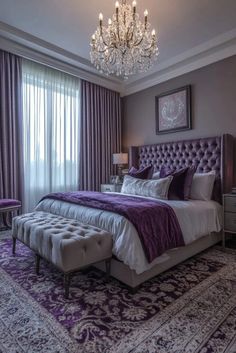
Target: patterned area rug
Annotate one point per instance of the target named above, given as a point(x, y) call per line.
point(189, 309)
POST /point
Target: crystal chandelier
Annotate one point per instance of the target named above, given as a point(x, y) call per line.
point(127, 45)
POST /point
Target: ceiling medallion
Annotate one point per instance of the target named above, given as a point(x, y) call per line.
point(127, 45)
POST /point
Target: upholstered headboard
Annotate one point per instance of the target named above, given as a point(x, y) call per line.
point(213, 153)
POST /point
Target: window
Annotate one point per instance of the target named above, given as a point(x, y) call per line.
point(51, 125)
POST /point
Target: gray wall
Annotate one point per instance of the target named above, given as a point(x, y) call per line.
point(213, 106)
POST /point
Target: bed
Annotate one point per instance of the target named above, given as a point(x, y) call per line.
point(200, 221)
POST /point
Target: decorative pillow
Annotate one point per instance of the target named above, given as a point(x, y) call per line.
point(142, 173)
point(181, 183)
point(202, 186)
point(188, 182)
point(176, 190)
point(156, 176)
point(151, 188)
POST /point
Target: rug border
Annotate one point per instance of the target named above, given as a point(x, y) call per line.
point(148, 328)
point(49, 320)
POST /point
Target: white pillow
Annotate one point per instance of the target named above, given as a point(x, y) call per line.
point(156, 175)
point(202, 186)
point(150, 188)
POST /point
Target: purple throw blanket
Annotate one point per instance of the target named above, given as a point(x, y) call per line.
point(155, 221)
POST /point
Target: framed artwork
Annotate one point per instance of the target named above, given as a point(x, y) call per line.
point(114, 179)
point(173, 111)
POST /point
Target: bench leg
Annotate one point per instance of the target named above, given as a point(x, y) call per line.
point(13, 246)
point(108, 268)
point(37, 263)
point(7, 219)
point(66, 284)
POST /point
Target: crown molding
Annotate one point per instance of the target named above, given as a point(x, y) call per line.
point(219, 48)
point(30, 47)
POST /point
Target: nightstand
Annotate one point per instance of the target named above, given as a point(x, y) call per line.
point(111, 187)
point(229, 208)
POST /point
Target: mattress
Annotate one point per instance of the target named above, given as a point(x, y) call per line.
point(196, 219)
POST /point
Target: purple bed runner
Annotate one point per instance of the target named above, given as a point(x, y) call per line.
point(155, 221)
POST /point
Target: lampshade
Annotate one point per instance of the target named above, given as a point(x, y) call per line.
point(120, 158)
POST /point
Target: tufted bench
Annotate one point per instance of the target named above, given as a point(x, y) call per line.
point(67, 243)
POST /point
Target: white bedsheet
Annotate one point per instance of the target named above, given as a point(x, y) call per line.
point(196, 219)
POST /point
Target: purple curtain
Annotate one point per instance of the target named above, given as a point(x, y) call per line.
point(100, 134)
point(10, 126)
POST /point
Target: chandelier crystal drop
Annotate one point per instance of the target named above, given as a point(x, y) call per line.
point(125, 46)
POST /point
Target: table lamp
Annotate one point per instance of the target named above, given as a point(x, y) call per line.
point(120, 159)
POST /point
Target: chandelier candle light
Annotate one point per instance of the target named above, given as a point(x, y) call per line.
point(127, 45)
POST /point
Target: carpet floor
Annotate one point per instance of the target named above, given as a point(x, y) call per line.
point(188, 309)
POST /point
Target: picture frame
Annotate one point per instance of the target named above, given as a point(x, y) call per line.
point(173, 111)
point(113, 179)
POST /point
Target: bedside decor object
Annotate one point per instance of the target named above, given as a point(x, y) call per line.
point(173, 111)
point(111, 187)
point(113, 179)
point(125, 171)
point(229, 207)
point(127, 45)
point(120, 159)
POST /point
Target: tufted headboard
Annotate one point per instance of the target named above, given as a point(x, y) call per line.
point(213, 153)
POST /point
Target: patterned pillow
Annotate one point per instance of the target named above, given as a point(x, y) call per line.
point(157, 189)
point(142, 173)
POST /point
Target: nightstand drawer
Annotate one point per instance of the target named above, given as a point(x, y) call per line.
point(230, 204)
point(230, 222)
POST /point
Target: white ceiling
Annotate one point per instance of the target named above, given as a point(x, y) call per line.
point(185, 27)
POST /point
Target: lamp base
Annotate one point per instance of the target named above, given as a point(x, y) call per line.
point(120, 166)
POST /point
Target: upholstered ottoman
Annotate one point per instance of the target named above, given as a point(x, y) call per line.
point(68, 244)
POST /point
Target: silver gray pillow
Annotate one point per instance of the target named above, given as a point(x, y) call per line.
point(157, 189)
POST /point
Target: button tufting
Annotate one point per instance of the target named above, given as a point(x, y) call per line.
point(204, 153)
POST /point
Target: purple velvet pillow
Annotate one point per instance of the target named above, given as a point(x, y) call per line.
point(142, 173)
point(188, 181)
point(181, 183)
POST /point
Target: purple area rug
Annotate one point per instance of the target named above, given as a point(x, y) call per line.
point(191, 308)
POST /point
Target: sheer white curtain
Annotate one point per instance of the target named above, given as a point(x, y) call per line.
point(51, 124)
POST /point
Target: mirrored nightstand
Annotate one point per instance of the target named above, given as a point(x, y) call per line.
point(229, 207)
